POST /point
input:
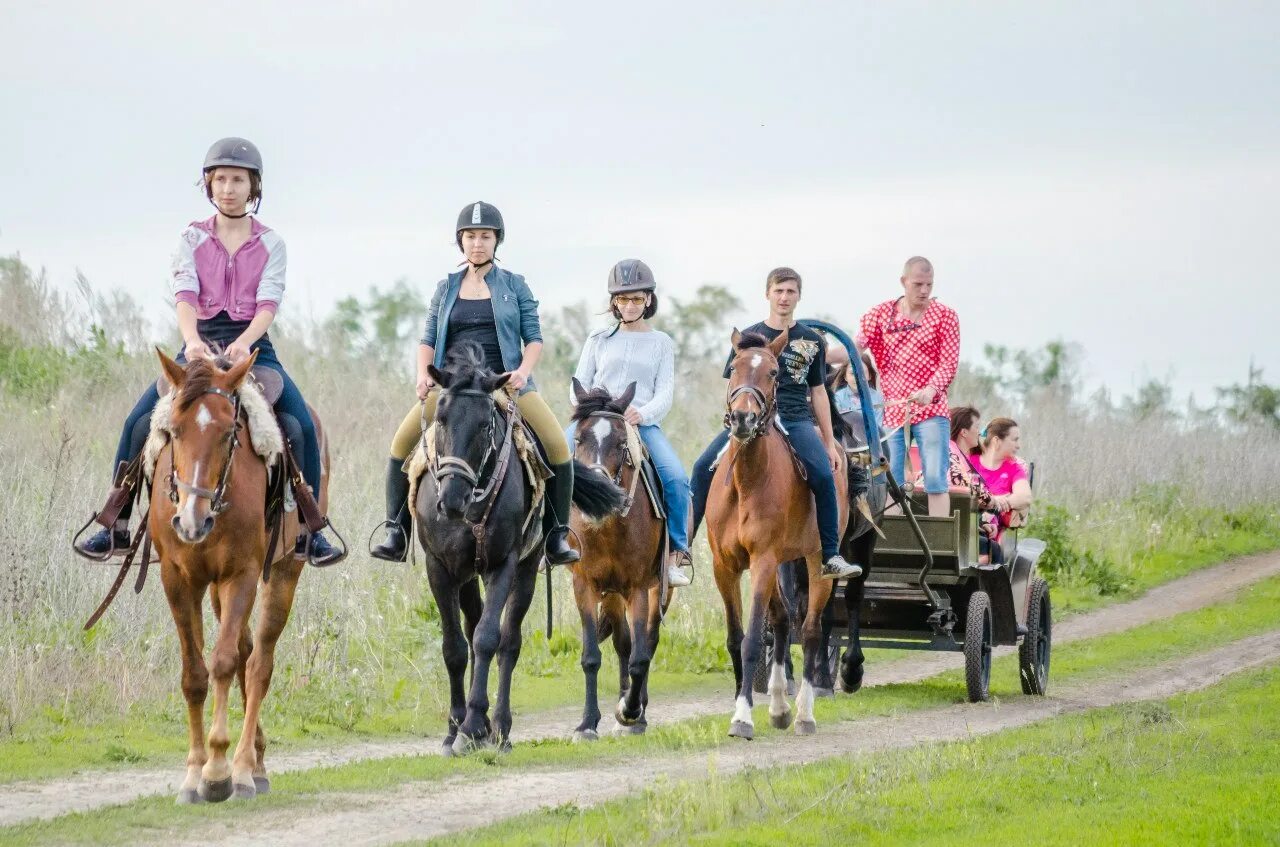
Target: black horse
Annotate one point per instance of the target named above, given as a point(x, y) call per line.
point(476, 523)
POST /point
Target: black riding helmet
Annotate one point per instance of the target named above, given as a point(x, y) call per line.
point(631, 275)
point(480, 215)
point(233, 152)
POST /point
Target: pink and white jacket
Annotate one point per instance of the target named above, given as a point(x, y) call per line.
point(242, 285)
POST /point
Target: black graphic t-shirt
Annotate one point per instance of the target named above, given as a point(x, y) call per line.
point(803, 364)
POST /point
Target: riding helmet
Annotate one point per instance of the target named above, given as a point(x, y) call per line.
point(631, 275)
point(480, 215)
point(233, 153)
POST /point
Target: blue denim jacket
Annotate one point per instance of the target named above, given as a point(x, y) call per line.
point(514, 311)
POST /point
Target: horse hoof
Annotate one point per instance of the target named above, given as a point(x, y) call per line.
point(189, 797)
point(806, 728)
point(243, 792)
point(620, 715)
point(636, 728)
point(781, 721)
point(462, 745)
point(262, 785)
point(585, 735)
point(446, 748)
point(217, 791)
point(743, 730)
point(824, 692)
point(851, 680)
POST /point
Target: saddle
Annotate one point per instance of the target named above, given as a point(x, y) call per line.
point(268, 380)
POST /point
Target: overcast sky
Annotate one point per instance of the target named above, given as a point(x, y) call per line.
point(1101, 172)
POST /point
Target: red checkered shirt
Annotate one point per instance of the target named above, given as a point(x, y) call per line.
point(912, 355)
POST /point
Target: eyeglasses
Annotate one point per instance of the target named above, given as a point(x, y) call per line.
point(630, 300)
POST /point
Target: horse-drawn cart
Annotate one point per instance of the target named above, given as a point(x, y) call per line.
point(924, 587)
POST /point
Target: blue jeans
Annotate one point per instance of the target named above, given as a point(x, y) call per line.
point(933, 435)
point(675, 484)
point(138, 425)
point(804, 437)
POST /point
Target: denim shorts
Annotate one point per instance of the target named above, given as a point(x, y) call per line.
point(932, 437)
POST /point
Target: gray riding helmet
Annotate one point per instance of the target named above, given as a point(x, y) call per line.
point(480, 215)
point(631, 275)
point(233, 153)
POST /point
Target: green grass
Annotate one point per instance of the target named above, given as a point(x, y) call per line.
point(1196, 769)
point(1251, 612)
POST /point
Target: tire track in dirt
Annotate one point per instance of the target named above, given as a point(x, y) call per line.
point(430, 809)
point(23, 801)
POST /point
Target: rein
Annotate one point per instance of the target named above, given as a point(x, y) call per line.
point(217, 495)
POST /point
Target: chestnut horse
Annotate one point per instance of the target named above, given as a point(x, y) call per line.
point(620, 574)
point(208, 524)
point(760, 513)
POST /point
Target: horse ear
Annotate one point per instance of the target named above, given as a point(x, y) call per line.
point(837, 375)
point(628, 394)
point(579, 393)
point(492, 385)
point(735, 338)
point(777, 345)
point(237, 373)
point(441, 378)
point(174, 372)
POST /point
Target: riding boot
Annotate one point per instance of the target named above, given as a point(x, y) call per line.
point(395, 547)
point(119, 507)
point(560, 499)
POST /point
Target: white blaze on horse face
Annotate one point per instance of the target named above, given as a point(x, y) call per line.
point(203, 418)
point(601, 429)
point(756, 360)
point(187, 514)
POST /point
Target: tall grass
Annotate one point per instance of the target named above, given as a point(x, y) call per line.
point(366, 634)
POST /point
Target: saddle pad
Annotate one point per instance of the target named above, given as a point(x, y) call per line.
point(264, 432)
point(268, 380)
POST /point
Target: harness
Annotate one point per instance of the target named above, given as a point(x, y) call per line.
point(629, 460)
point(768, 408)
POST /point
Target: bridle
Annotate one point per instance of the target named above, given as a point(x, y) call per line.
point(628, 460)
point(766, 404)
point(444, 468)
point(217, 495)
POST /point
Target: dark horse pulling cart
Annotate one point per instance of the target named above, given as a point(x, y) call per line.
point(923, 587)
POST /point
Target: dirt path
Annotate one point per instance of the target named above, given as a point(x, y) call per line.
point(50, 798)
point(428, 809)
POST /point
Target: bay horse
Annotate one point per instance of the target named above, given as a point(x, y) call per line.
point(476, 520)
point(618, 582)
point(208, 522)
point(760, 513)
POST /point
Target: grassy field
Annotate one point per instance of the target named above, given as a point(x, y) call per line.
point(1196, 769)
point(1125, 506)
point(1250, 613)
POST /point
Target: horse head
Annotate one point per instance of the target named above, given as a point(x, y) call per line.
point(601, 438)
point(468, 427)
point(753, 383)
point(203, 431)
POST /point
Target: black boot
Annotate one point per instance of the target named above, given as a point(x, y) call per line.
point(396, 546)
point(560, 499)
point(102, 542)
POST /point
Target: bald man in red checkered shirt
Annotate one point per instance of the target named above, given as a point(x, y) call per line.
point(916, 344)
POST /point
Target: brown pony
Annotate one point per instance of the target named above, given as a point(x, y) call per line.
point(760, 514)
point(208, 523)
point(619, 574)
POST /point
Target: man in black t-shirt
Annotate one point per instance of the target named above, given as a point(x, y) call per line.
point(806, 416)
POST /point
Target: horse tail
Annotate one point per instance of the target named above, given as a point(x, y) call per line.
point(594, 494)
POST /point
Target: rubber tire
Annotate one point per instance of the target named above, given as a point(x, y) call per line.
point(978, 638)
point(1033, 653)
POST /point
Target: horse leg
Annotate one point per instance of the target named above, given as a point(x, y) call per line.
point(630, 710)
point(824, 685)
point(728, 584)
point(852, 664)
point(615, 611)
point(475, 725)
point(526, 578)
point(588, 600)
point(453, 645)
point(218, 779)
point(472, 605)
point(811, 634)
point(779, 709)
point(764, 576)
point(273, 615)
point(655, 627)
point(795, 593)
point(185, 602)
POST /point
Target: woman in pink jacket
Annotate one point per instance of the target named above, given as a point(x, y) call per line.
point(228, 279)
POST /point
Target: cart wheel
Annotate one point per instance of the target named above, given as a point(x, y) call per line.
point(977, 647)
point(760, 679)
point(1033, 654)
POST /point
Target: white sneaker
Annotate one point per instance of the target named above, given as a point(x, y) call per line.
point(676, 577)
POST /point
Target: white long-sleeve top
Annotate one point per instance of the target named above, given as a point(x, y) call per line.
point(613, 360)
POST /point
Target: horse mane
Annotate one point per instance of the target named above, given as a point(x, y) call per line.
point(199, 380)
point(596, 400)
point(749, 340)
point(465, 365)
